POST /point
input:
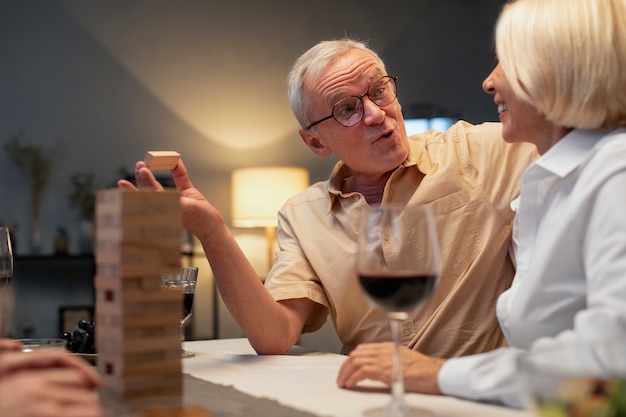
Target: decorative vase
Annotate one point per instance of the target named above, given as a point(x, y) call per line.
point(61, 242)
point(87, 236)
point(36, 238)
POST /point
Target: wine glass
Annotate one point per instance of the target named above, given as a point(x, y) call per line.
point(398, 267)
point(6, 272)
point(186, 281)
point(6, 258)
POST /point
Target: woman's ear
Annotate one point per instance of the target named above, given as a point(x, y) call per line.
point(318, 147)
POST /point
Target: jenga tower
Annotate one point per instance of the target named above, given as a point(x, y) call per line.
point(138, 322)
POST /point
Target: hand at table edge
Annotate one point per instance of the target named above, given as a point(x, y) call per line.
point(374, 361)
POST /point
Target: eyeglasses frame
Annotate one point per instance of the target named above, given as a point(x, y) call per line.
point(332, 116)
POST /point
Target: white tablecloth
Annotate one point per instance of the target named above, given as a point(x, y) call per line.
point(305, 380)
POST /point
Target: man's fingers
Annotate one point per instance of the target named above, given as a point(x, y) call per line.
point(127, 185)
point(181, 177)
point(145, 177)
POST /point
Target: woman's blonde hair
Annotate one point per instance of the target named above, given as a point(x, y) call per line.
point(567, 58)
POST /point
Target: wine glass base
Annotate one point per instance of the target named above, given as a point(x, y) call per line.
point(391, 411)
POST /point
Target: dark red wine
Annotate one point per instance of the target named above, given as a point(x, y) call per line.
point(398, 291)
point(187, 304)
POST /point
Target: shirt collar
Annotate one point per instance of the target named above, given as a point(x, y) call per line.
point(569, 152)
point(341, 172)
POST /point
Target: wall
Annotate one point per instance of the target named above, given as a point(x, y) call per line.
point(117, 78)
point(42, 286)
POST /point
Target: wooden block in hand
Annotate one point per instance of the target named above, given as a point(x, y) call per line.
point(161, 160)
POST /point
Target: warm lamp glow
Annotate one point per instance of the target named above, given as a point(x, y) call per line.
point(259, 193)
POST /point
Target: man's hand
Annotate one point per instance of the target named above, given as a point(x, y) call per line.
point(198, 215)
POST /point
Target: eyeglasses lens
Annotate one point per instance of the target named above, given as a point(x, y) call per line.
point(349, 111)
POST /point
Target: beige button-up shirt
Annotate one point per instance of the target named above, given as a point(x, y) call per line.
point(469, 175)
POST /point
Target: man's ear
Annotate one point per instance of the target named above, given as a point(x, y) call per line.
point(314, 143)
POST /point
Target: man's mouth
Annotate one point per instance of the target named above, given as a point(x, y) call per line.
point(502, 108)
point(384, 136)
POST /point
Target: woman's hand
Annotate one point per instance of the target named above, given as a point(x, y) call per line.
point(10, 345)
point(374, 361)
point(49, 383)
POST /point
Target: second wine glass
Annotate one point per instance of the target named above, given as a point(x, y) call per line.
point(6, 272)
point(398, 266)
point(186, 281)
point(6, 258)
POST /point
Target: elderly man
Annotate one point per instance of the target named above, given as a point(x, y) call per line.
point(347, 105)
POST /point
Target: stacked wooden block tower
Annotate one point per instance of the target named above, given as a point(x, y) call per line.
point(138, 322)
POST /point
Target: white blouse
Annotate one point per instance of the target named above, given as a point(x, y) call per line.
point(569, 290)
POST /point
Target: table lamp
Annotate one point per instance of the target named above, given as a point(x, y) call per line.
point(258, 194)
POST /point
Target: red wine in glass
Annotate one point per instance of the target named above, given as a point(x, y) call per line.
point(187, 305)
point(398, 291)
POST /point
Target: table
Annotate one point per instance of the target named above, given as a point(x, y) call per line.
point(305, 380)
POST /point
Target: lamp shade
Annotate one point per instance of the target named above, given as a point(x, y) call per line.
point(258, 193)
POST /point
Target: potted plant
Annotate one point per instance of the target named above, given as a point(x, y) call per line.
point(35, 161)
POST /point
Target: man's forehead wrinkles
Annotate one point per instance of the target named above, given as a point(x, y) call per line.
point(342, 84)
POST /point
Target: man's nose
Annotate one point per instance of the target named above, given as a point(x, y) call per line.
point(372, 113)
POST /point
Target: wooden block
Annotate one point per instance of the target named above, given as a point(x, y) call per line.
point(171, 367)
point(161, 160)
point(115, 336)
point(147, 321)
point(157, 296)
point(150, 305)
point(159, 356)
point(139, 269)
point(169, 411)
point(117, 346)
point(151, 330)
point(151, 344)
point(124, 365)
point(149, 386)
point(128, 283)
point(113, 304)
point(133, 350)
point(151, 383)
point(133, 256)
point(115, 202)
point(138, 245)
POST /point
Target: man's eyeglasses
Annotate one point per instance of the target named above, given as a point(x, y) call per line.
point(349, 111)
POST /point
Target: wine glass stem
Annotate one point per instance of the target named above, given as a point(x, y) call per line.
point(397, 384)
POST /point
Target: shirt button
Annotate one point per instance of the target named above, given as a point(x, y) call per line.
point(406, 331)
